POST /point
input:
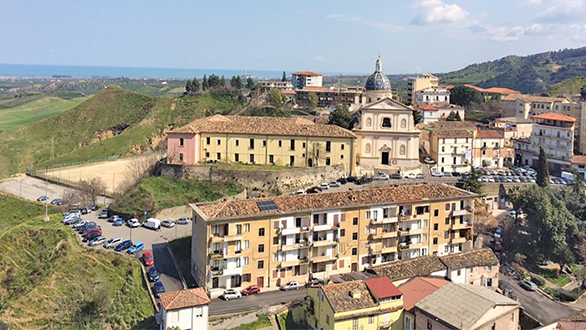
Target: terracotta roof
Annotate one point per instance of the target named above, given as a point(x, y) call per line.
point(453, 133)
point(426, 107)
point(400, 270)
point(453, 125)
point(306, 73)
point(382, 287)
point(555, 116)
point(418, 288)
point(580, 160)
point(184, 299)
point(314, 89)
point(496, 90)
point(570, 325)
point(534, 98)
point(288, 91)
point(488, 134)
point(474, 258)
point(263, 126)
point(333, 200)
point(341, 300)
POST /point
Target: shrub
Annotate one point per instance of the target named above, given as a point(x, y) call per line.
point(568, 296)
point(538, 280)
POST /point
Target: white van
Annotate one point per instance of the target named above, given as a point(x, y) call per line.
point(152, 223)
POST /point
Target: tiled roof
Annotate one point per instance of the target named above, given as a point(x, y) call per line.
point(263, 126)
point(453, 133)
point(400, 270)
point(462, 305)
point(382, 287)
point(534, 98)
point(496, 90)
point(288, 92)
point(333, 200)
point(555, 116)
point(418, 288)
point(453, 125)
point(426, 107)
point(314, 89)
point(341, 299)
point(488, 134)
point(306, 73)
point(184, 299)
point(579, 160)
point(474, 258)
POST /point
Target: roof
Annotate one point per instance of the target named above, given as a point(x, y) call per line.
point(314, 89)
point(400, 270)
point(555, 116)
point(488, 134)
point(332, 200)
point(382, 287)
point(514, 120)
point(426, 107)
point(467, 304)
point(288, 91)
point(453, 133)
point(306, 73)
point(534, 98)
point(473, 258)
point(352, 276)
point(184, 299)
point(453, 125)
point(294, 126)
point(580, 160)
point(418, 288)
point(341, 300)
point(496, 90)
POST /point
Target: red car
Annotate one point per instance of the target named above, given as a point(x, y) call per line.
point(93, 230)
point(148, 259)
point(253, 289)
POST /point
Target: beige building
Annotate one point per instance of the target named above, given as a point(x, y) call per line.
point(416, 84)
point(438, 111)
point(267, 85)
point(303, 79)
point(524, 106)
point(329, 97)
point(184, 309)
point(513, 128)
point(491, 151)
point(450, 143)
point(432, 95)
point(271, 241)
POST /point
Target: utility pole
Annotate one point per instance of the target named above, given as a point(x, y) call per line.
point(52, 148)
point(46, 200)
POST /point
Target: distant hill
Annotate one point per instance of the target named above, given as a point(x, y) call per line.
point(527, 74)
point(567, 87)
point(114, 122)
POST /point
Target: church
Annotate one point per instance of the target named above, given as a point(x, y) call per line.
point(386, 135)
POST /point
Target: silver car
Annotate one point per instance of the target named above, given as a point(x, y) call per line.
point(97, 240)
point(112, 242)
point(183, 221)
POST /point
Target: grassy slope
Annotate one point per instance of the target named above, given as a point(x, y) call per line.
point(567, 87)
point(34, 111)
point(49, 281)
point(74, 131)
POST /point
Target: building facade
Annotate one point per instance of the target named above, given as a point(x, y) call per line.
point(184, 309)
point(450, 143)
point(303, 79)
point(294, 142)
point(267, 85)
point(491, 151)
point(439, 111)
point(416, 84)
point(271, 241)
point(328, 97)
point(432, 95)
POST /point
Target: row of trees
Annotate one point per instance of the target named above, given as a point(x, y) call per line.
point(213, 82)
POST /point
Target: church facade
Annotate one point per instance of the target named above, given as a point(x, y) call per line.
point(386, 135)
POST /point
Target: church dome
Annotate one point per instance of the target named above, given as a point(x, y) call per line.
point(378, 81)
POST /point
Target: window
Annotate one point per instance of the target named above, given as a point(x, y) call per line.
point(354, 236)
point(328, 146)
point(246, 227)
point(252, 158)
point(446, 234)
point(493, 327)
point(276, 240)
point(327, 319)
point(181, 142)
point(280, 143)
point(459, 272)
point(264, 143)
point(354, 251)
point(429, 326)
point(435, 213)
point(208, 140)
point(237, 142)
point(368, 215)
point(292, 144)
point(219, 142)
point(246, 277)
point(435, 241)
point(342, 146)
point(387, 122)
point(447, 206)
point(207, 155)
point(490, 268)
point(261, 248)
point(342, 232)
point(245, 262)
point(435, 226)
point(180, 157)
point(355, 221)
point(261, 232)
point(328, 161)
point(443, 149)
point(238, 229)
point(246, 244)
point(251, 144)
point(447, 221)
point(260, 264)
point(218, 156)
point(370, 319)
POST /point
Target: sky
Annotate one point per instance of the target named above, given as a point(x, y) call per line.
point(327, 36)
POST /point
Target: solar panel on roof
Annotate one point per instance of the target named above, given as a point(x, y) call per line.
point(267, 206)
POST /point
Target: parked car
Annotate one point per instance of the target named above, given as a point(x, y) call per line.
point(123, 246)
point(315, 281)
point(152, 223)
point(92, 230)
point(148, 259)
point(299, 192)
point(290, 286)
point(411, 176)
point(97, 240)
point(42, 198)
point(104, 214)
point(497, 246)
point(448, 174)
point(342, 181)
point(168, 223)
point(351, 179)
point(253, 289)
point(324, 186)
point(113, 218)
point(437, 174)
point(136, 247)
point(93, 207)
point(153, 274)
point(183, 221)
point(91, 237)
point(57, 201)
point(133, 223)
point(528, 285)
point(428, 160)
point(112, 242)
point(158, 288)
point(364, 180)
point(420, 176)
point(118, 222)
point(396, 176)
point(335, 184)
point(456, 174)
point(382, 176)
point(230, 294)
point(84, 210)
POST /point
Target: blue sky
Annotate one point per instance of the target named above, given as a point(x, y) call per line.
point(328, 36)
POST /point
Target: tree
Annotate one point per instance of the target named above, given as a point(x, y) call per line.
point(205, 83)
point(284, 78)
point(222, 81)
point(312, 100)
point(316, 152)
point(341, 116)
point(239, 83)
point(465, 96)
point(195, 85)
point(250, 84)
point(214, 81)
point(92, 188)
point(472, 183)
point(189, 86)
point(417, 118)
point(276, 98)
point(542, 169)
point(452, 116)
point(583, 92)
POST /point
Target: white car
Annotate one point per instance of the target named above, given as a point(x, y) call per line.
point(334, 184)
point(183, 221)
point(290, 286)
point(411, 176)
point(112, 242)
point(230, 294)
point(437, 174)
point(382, 176)
point(97, 240)
point(324, 186)
point(299, 192)
point(133, 223)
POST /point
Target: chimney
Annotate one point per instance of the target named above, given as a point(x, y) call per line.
point(355, 294)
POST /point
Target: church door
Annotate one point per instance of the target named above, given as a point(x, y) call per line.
point(310, 162)
point(385, 158)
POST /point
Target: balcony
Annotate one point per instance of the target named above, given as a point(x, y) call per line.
point(223, 271)
point(293, 247)
point(389, 249)
point(291, 263)
point(232, 254)
point(324, 242)
point(322, 227)
point(293, 231)
point(389, 234)
point(404, 217)
point(323, 258)
point(466, 211)
point(390, 219)
point(217, 255)
point(463, 225)
point(235, 237)
point(457, 240)
point(377, 235)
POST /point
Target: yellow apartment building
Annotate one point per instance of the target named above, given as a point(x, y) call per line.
point(271, 241)
point(294, 142)
point(371, 304)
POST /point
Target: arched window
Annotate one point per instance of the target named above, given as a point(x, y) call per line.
point(402, 150)
point(367, 148)
point(386, 122)
point(403, 123)
point(368, 122)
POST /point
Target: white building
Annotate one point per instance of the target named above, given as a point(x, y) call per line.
point(432, 95)
point(306, 79)
point(440, 111)
point(185, 309)
point(415, 84)
point(450, 143)
point(277, 84)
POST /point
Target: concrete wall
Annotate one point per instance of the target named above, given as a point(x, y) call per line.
point(260, 183)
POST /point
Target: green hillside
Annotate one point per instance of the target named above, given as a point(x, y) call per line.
point(35, 110)
point(527, 74)
point(49, 281)
point(567, 87)
point(114, 122)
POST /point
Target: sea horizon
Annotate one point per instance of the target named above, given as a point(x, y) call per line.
point(87, 71)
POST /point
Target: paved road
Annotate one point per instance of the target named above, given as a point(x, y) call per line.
point(169, 275)
point(255, 302)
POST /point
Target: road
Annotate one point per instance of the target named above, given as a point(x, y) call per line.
point(255, 302)
point(169, 275)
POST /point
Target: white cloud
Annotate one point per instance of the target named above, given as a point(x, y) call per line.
point(318, 58)
point(437, 12)
point(383, 26)
point(504, 34)
point(561, 11)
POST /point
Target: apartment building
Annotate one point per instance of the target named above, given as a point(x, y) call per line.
point(439, 111)
point(294, 142)
point(267, 85)
point(555, 134)
point(372, 304)
point(524, 106)
point(450, 143)
point(432, 95)
point(416, 84)
point(184, 309)
point(328, 97)
point(303, 79)
point(271, 241)
point(513, 128)
point(491, 151)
